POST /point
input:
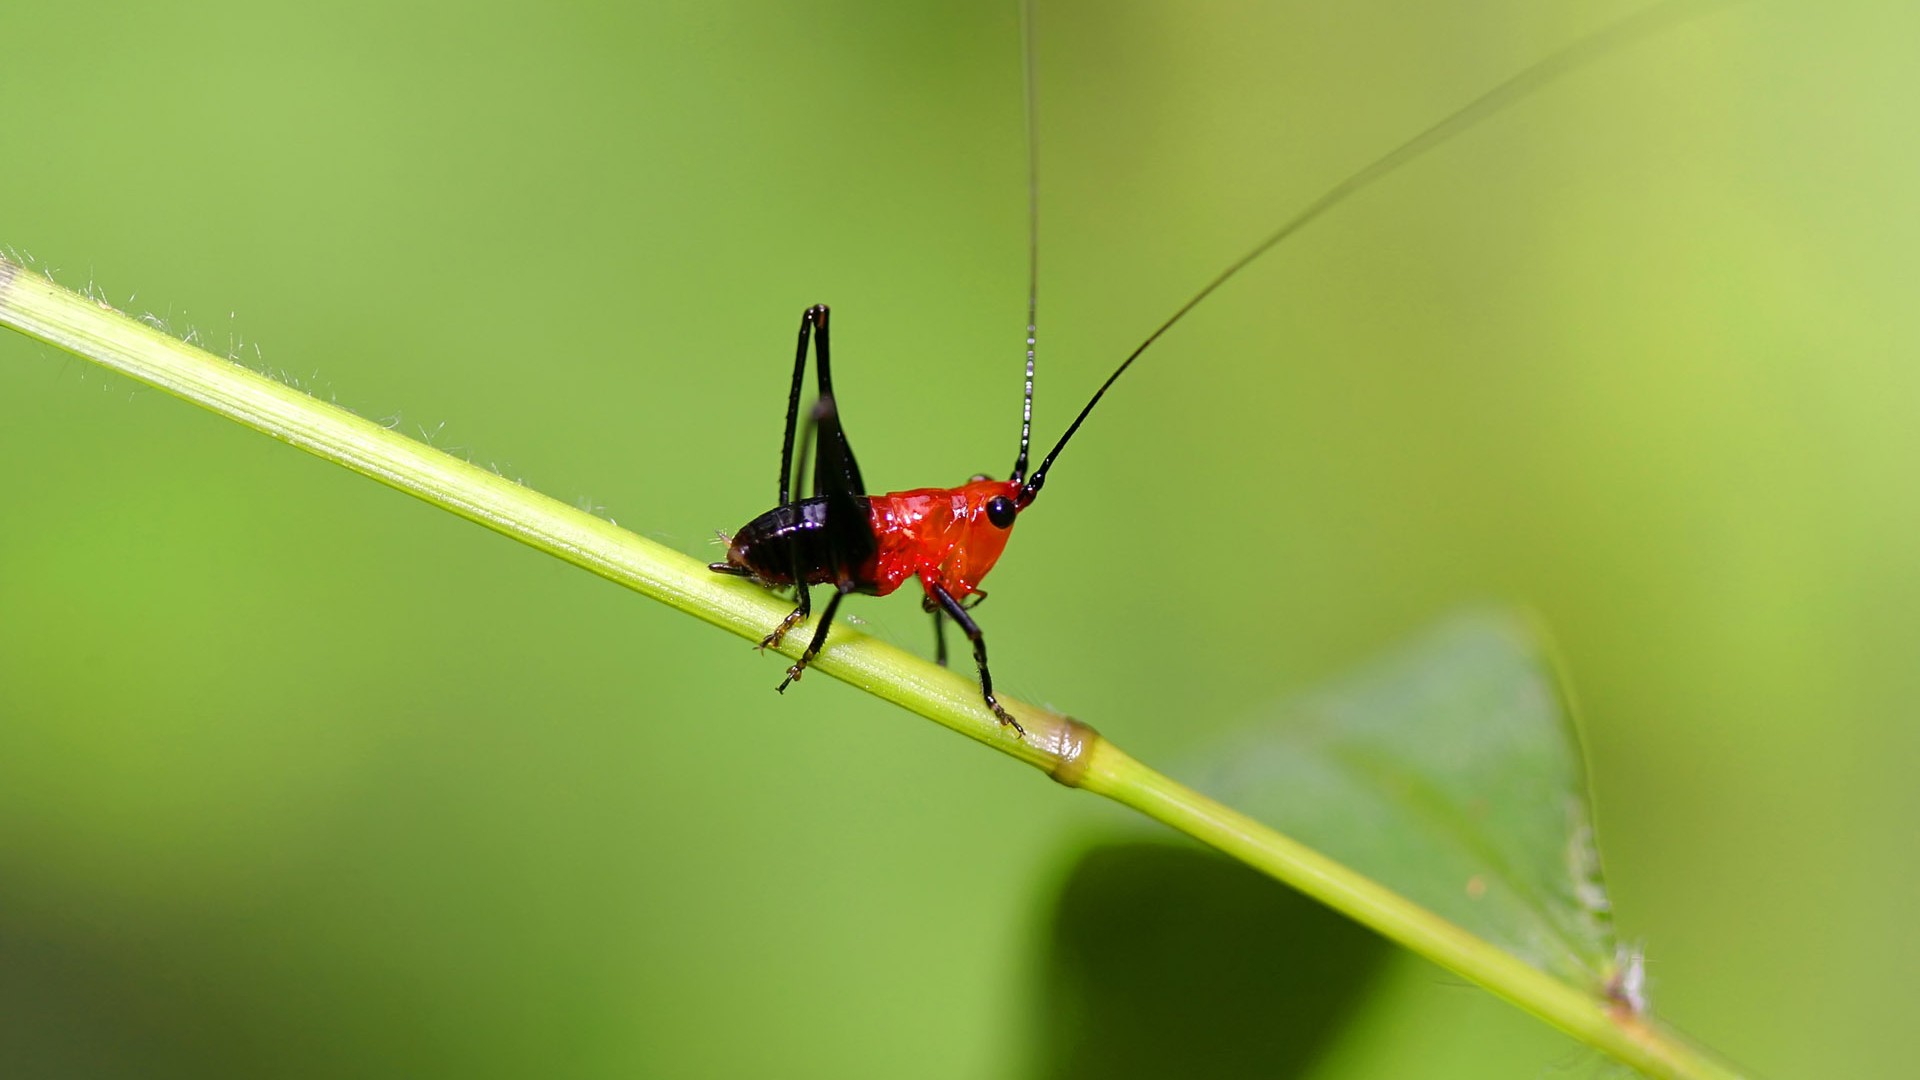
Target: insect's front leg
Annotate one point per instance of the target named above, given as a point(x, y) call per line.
point(940, 621)
point(958, 612)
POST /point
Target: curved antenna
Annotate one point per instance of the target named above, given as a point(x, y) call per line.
point(1033, 236)
point(1528, 81)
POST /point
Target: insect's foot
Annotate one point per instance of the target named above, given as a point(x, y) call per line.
point(793, 676)
point(1007, 720)
point(772, 641)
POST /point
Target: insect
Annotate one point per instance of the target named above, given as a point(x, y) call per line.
point(948, 539)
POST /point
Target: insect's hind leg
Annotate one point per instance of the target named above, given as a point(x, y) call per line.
point(802, 608)
point(822, 407)
point(819, 638)
point(958, 612)
point(809, 319)
point(849, 536)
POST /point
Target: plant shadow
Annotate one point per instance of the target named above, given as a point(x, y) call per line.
point(1173, 961)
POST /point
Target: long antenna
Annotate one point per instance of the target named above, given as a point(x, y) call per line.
point(1529, 80)
point(1033, 235)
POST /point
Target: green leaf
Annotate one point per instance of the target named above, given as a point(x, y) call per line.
point(1451, 772)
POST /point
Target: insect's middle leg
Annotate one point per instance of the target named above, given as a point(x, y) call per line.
point(939, 630)
point(958, 612)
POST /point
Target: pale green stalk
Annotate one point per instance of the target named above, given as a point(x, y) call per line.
point(1069, 751)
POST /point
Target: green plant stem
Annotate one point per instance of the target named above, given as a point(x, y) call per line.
point(1069, 751)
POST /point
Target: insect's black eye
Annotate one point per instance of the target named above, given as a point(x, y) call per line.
point(1000, 511)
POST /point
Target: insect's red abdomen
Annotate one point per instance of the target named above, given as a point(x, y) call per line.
point(940, 535)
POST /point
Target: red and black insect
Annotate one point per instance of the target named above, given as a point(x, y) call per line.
point(946, 538)
point(949, 538)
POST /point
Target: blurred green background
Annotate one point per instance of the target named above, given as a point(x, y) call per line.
point(300, 777)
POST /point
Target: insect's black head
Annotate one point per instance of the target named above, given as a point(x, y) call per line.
point(1001, 511)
